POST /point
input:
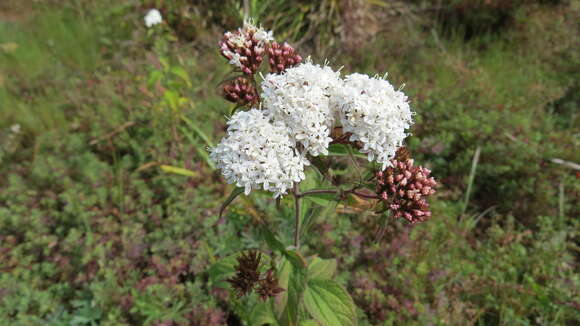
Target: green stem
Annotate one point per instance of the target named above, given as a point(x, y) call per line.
point(319, 191)
point(297, 198)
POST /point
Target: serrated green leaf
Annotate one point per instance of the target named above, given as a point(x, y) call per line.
point(329, 303)
point(287, 305)
point(262, 314)
point(221, 270)
point(321, 268)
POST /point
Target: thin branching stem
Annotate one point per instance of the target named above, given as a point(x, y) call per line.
point(336, 191)
point(360, 194)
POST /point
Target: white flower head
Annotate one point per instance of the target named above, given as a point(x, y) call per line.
point(152, 18)
point(376, 114)
point(15, 128)
point(302, 97)
point(258, 153)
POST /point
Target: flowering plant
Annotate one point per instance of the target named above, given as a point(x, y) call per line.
point(300, 116)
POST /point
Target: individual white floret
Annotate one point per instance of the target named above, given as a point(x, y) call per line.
point(302, 97)
point(153, 17)
point(376, 114)
point(260, 34)
point(258, 153)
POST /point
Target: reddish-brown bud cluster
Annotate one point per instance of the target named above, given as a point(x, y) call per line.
point(404, 189)
point(240, 91)
point(247, 274)
point(268, 287)
point(248, 277)
point(243, 50)
point(282, 57)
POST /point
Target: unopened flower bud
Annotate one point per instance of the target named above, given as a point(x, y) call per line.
point(403, 188)
point(240, 91)
point(282, 57)
point(244, 48)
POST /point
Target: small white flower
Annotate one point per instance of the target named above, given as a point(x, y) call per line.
point(264, 36)
point(260, 34)
point(15, 128)
point(302, 97)
point(152, 18)
point(235, 58)
point(258, 153)
point(376, 114)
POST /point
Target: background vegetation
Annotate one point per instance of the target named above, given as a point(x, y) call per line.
point(94, 230)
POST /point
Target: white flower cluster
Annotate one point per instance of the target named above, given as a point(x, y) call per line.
point(258, 153)
point(302, 99)
point(266, 148)
point(152, 18)
point(376, 114)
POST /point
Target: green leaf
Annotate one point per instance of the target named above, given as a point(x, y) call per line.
point(287, 305)
point(310, 322)
point(262, 314)
point(337, 150)
point(230, 199)
point(274, 244)
point(329, 303)
point(222, 269)
point(295, 258)
point(181, 73)
point(321, 268)
point(323, 199)
point(172, 99)
point(180, 171)
point(154, 77)
point(320, 167)
point(342, 150)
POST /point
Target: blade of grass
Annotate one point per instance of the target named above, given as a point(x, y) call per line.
point(180, 171)
point(561, 201)
point(200, 149)
point(197, 131)
point(474, 163)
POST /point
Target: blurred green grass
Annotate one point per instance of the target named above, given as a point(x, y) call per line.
point(92, 231)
